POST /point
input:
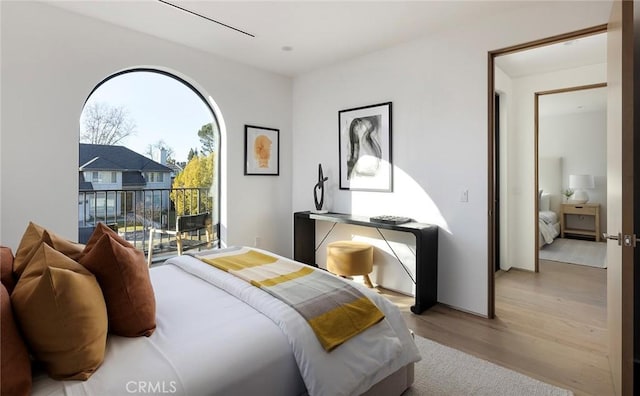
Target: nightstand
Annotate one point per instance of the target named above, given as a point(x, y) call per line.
point(587, 209)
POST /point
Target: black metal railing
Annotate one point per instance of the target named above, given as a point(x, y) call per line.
point(133, 211)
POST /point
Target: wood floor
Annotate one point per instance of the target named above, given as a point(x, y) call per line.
point(551, 326)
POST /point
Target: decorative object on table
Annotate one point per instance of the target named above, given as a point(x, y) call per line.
point(365, 148)
point(579, 183)
point(567, 194)
point(261, 151)
point(319, 187)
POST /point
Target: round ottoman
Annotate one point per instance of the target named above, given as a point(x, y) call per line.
point(347, 258)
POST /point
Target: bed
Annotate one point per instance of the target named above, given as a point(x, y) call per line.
point(548, 220)
point(217, 335)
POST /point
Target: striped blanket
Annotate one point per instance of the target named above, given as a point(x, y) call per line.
point(335, 310)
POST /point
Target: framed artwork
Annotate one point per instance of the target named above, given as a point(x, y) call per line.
point(365, 148)
point(261, 151)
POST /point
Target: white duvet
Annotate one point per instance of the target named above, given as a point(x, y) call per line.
point(350, 369)
point(546, 225)
point(209, 343)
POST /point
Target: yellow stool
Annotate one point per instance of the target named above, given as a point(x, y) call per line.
point(347, 258)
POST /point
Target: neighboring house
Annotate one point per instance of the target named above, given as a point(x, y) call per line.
point(116, 181)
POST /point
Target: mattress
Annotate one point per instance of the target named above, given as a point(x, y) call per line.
point(200, 347)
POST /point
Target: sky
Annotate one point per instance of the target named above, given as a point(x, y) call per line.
point(161, 107)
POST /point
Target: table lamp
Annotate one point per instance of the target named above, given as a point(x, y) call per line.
point(579, 183)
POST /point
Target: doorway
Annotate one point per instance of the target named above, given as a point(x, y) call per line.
point(517, 178)
point(570, 153)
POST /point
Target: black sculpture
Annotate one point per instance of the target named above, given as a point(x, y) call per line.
point(319, 186)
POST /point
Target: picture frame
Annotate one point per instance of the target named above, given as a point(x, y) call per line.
point(261, 151)
point(364, 148)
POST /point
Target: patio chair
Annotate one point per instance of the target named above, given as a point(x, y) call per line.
point(185, 225)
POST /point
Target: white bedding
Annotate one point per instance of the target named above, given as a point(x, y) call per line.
point(548, 226)
point(200, 347)
point(350, 369)
point(209, 343)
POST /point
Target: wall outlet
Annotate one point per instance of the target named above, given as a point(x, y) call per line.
point(464, 196)
point(257, 241)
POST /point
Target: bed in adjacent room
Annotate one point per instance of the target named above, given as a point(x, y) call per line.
point(549, 199)
point(218, 335)
point(548, 221)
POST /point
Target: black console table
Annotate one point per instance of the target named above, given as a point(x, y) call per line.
point(304, 249)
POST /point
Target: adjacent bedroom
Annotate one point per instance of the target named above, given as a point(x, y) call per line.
point(572, 178)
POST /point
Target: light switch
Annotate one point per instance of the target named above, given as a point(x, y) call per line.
point(464, 196)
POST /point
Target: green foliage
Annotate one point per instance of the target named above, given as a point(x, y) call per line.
point(191, 187)
point(207, 139)
point(192, 153)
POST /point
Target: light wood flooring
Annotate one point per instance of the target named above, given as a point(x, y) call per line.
point(551, 326)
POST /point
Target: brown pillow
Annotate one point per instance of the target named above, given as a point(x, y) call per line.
point(6, 268)
point(62, 314)
point(100, 230)
point(31, 240)
point(123, 275)
point(16, 367)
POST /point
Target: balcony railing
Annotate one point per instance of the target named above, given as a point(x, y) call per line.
point(133, 212)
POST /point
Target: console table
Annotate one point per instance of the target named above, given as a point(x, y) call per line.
point(586, 209)
point(304, 248)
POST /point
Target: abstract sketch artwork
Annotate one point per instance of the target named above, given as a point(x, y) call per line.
point(365, 148)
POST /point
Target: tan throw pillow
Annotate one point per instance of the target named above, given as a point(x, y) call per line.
point(61, 311)
point(124, 278)
point(31, 240)
point(16, 366)
point(6, 268)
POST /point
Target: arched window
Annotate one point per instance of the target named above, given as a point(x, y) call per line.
point(149, 153)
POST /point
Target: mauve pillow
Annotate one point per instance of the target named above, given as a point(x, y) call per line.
point(6, 268)
point(61, 311)
point(16, 366)
point(31, 239)
point(123, 275)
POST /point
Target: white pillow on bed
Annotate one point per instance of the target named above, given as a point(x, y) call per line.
point(544, 202)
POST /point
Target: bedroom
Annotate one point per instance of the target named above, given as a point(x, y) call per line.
point(49, 69)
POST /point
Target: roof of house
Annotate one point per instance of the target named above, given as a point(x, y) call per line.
point(116, 158)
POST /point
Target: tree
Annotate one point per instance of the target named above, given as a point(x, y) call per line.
point(192, 153)
point(191, 186)
point(160, 145)
point(207, 139)
point(106, 124)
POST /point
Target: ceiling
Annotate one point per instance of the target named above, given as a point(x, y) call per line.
point(573, 102)
point(589, 50)
point(313, 33)
point(584, 51)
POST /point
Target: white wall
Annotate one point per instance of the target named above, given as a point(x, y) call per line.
point(502, 85)
point(580, 139)
point(438, 86)
point(521, 180)
point(52, 59)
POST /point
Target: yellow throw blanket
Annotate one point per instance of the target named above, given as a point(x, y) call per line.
point(335, 310)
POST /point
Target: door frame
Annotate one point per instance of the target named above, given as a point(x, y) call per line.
point(536, 135)
point(491, 179)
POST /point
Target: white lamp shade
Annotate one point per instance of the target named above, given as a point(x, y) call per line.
point(580, 182)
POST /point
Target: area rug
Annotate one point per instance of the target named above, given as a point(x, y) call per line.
point(445, 371)
point(576, 251)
